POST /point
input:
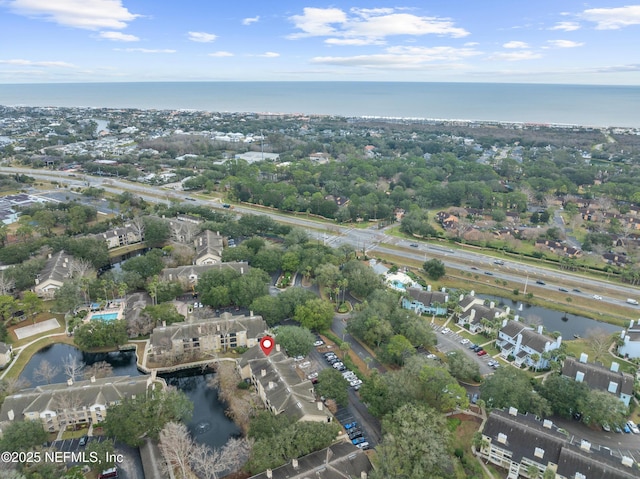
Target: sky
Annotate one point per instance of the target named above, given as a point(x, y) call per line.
point(521, 41)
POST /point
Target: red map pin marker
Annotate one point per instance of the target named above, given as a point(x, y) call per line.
point(266, 344)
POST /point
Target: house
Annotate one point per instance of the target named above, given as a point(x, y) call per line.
point(524, 344)
point(447, 220)
point(520, 442)
point(600, 378)
point(55, 272)
point(188, 275)
point(320, 158)
point(558, 248)
point(426, 302)
point(280, 387)
point(339, 461)
point(82, 402)
point(5, 354)
point(126, 235)
point(205, 337)
point(474, 312)
point(209, 247)
point(630, 341)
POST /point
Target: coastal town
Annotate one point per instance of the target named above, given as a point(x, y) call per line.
point(449, 298)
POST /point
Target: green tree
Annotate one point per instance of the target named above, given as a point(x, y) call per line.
point(268, 259)
point(332, 385)
point(8, 305)
point(511, 387)
point(147, 265)
point(414, 445)
point(31, 303)
point(270, 308)
point(296, 340)
point(362, 279)
point(68, 296)
point(101, 334)
point(145, 416)
point(250, 286)
point(22, 436)
point(103, 450)
point(600, 407)
point(462, 367)
point(434, 268)
point(316, 314)
point(163, 313)
point(398, 350)
point(156, 232)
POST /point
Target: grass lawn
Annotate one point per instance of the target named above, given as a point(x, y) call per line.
point(576, 347)
point(462, 437)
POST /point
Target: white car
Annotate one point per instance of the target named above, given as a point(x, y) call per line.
point(598, 297)
point(358, 382)
point(312, 376)
point(305, 364)
point(298, 358)
point(337, 365)
point(464, 341)
point(319, 342)
point(634, 428)
point(446, 331)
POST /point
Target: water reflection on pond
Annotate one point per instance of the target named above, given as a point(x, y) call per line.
point(209, 425)
point(568, 325)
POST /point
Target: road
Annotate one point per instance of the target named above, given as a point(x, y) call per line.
point(374, 240)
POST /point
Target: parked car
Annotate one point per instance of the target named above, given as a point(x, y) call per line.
point(83, 441)
point(350, 425)
point(298, 358)
point(606, 427)
point(305, 364)
point(473, 346)
point(358, 440)
point(363, 445)
point(446, 331)
point(312, 375)
point(617, 428)
point(482, 352)
point(634, 428)
point(357, 382)
point(464, 341)
point(626, 429)
point(431, 356)
point(337, 364)
point(319, 342)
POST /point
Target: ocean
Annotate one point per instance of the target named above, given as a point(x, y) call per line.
point(585, 105)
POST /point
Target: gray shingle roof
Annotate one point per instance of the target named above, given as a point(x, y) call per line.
point(340, 461)
point(530, 338)
point(598, 377)
point(189, 271)
point(57, 267)
point(427, 297)
point(208, 242)
point(593, 464)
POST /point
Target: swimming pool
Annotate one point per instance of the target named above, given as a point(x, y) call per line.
point(105, 316)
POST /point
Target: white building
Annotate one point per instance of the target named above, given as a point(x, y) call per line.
point(631, 340)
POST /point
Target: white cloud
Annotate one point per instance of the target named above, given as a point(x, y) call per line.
point(31, 63)
point(369, 26)
point(202, 37)
point(118, 37)
point(145, 50)
point(613, 18)
point(403, 57)
point(564, 43)
point(352, 41)
point(221, 54)
point(515, 56)
point(87, 14)
point(269, 55)
point(471, 44)
point(250, 20)
point(566, 26)
point(515, 44)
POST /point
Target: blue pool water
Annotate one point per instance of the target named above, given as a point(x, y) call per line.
point(105, 316)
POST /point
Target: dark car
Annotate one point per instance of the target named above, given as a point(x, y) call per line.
point(474, 399)
point(488, 273)
point(539, 281)
point(576, 290)
point(414, 245)
point(564, 290)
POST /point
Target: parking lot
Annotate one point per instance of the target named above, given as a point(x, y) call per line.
point(129, 468)
point(450, 341)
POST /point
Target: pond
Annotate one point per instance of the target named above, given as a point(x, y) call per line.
point(209, 425)
point(568, 325)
